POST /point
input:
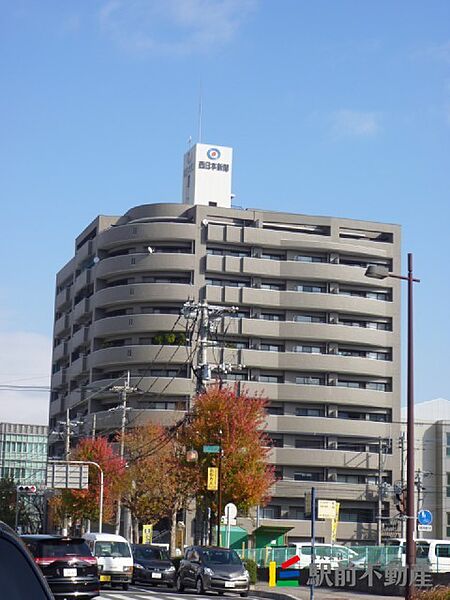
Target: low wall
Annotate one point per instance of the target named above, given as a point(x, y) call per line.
point(371, 582)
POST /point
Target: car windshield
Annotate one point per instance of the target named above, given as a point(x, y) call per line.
point(221, 557)
point(60, 548)
point(150, 553)
point(112, 549)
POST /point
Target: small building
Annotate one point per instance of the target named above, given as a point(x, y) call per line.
point(23, 452)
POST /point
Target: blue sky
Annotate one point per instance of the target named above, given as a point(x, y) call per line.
point(335, 108)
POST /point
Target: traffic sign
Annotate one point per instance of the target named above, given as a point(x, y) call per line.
point(230, 514)
point(424, 528)
point(424, 517)
point(326, 509)
point(211, 449)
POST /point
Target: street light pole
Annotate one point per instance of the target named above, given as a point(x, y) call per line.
point(410, 525)
point(381, 272)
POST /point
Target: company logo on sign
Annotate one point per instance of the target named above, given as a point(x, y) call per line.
point(213, 154)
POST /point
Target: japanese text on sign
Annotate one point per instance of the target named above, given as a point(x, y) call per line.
point(213, 479)
point(212, 166)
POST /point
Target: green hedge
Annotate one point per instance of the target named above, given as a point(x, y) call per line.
point(252, 569)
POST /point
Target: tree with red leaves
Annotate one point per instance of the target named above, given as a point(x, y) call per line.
point(236, 423)
point(84, 504)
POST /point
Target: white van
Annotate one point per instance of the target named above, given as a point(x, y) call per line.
point(331, 554)
point(114, 557)
point(434, 554)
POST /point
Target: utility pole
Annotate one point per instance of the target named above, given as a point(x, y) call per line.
point(123, 390)
point(94, 425)
point(67, 434)
point(208, 317)
point(380, 492)
point(402, 476)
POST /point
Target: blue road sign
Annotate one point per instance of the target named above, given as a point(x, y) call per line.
point(424, 517)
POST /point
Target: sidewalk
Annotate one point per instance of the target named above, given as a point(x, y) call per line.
point(302, 593)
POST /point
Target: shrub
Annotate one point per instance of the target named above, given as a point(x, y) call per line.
point(252, 569)
point(437, 593)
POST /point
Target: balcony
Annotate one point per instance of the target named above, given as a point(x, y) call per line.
point(63, 299)
point(83, 279)
point(59, 379)
point(62, 326)
point(81, 311)
point(79, 338)
point(60, 351)
point(139, 354)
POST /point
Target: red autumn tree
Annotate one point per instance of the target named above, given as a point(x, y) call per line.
point(236, 422)
point(160, 482)
point(84, 504)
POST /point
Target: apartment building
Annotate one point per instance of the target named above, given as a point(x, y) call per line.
point(312, 332)
point(432, 463)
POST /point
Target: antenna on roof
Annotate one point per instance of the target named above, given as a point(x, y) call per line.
point(200, 114)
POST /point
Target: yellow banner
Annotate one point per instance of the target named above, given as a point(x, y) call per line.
point(147, 534)
point(334, 524)
point(213, 479)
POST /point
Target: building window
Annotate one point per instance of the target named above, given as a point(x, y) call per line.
point(304, 411)
point(448, 524)
point(275, 410)
point(356, 515)
point(270, 512)
point(310, 258)
point(276, 441)
point(308, 476)
point(310, 318)
point(309, 442)
point(269, 256)
point(272, 317)
point(308, 349)
point(271, 378)
point(271, 347)
point(265, 285)
point(448, 444)
point(313, 288)
point(448, 485)
point(308, 380)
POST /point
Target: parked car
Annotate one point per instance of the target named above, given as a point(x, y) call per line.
point(67, 564)
point(432, 554)
point(335, 555)
point(209, 568)
point(115, 560)
point(152, 565)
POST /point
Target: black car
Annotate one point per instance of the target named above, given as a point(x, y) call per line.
point(67, 564)
point(151, 564)
point(210, 568)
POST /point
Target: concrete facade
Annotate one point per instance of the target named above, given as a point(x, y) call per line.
point(315, 335)
point(432, 463)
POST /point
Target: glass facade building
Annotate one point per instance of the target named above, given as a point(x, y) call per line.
point(23, 452)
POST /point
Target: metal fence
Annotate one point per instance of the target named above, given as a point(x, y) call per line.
point(337, 555)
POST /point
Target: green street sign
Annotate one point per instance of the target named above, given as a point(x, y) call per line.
point(211, 449)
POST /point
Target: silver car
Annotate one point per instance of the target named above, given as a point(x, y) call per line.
point(210, 568)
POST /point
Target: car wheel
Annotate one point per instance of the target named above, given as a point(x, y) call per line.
point(199, 586)
point(179, 585)
point(244, 595)
point(125, 586)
